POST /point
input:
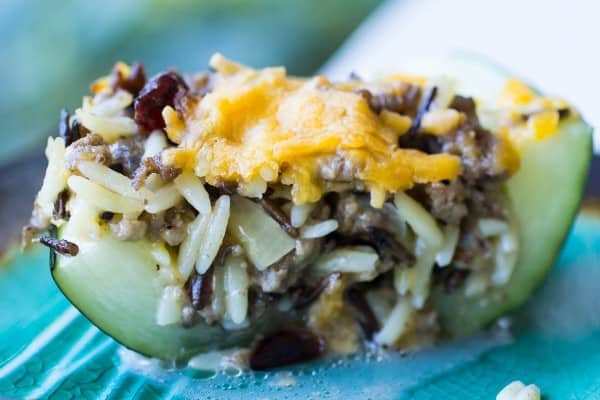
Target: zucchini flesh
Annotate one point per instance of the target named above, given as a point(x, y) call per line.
point(117, 286)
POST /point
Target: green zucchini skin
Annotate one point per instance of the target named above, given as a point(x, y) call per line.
point(116, 285)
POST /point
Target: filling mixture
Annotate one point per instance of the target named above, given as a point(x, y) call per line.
point(344, 204)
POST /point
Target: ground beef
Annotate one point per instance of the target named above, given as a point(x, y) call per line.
point(127, 154)
point(486, 200)
point(446, 201)
point(354, 214)
point(129, 229)
point(477, 151)
point(360, 224)
point(153, 165)
point(91, 147)
point(404, 100)
point(171, 225)
point(471, 245)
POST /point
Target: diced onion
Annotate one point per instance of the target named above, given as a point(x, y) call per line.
point(263, 240)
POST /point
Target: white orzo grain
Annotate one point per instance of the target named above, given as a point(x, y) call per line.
point(416, 280)
point(108, 106)
point(213, 236)
point(55, 178)
point(419, 220)
point(505, 258)
point(170, 306)
point(255, 188)
point(445, 255)
point(108, 127)
point(351, 259)
point(192, 189)
point(492, 226)
point(103, 198)
point(154, 144)
point(299, 214)
point(163, 199)
point(397, 323)
point(110, 179)
point(319, 229)
point(188, 251)
point(477, 282)
point(235, 279)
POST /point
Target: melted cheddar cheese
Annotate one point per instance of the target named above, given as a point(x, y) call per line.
point(257, 127)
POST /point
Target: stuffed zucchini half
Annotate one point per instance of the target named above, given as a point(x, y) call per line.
point(298, 217)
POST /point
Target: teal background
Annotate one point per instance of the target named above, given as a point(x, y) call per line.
point(48, 350)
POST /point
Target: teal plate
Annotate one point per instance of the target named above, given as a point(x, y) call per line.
point(48, 350)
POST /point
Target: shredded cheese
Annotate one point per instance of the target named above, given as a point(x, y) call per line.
point(264, 125)
point(258, 127)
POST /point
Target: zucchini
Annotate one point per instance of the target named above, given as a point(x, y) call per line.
point(117, 286)
point(545, 195)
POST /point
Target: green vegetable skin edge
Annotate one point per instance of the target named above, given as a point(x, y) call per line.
point(115, 283)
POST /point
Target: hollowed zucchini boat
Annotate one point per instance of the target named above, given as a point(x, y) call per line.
point(300, 217)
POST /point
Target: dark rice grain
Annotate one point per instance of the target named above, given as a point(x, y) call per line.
point(61, 246)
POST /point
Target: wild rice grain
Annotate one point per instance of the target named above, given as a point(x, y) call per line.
point(65, 130)
point(60, 206)
point(62, 246)
point(213, 236)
